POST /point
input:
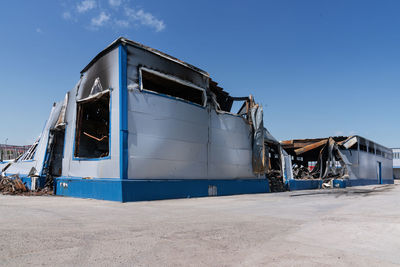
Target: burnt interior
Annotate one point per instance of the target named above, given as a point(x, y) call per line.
point(274, 166)
point(162, 85)
point(226, 101)
point(315, 158)
point(93, 128)
point(56, 152)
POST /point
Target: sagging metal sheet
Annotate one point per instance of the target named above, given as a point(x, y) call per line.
point(24, 167)
point(61, 117)
point(258, 159)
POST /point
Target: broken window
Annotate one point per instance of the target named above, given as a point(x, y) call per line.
point(92, 132)
point(171, 86)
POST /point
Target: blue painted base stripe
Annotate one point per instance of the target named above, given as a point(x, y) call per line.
point(107, 189)
point(143, 190)
point(358, 182)
point(304, 184)
point(154, 190)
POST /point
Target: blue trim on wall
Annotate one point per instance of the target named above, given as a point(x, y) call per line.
point(297, 184)
point(340, 183)
point(359, 182)
point(123, 112)
point(143, 190)
point(104, 189)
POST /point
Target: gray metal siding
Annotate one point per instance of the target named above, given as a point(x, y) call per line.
point(171, 139)
point(364, 165)
point(167, 138)
point(230, 148)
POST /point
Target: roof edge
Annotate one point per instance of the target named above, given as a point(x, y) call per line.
point(124, 41)
point(349, 136)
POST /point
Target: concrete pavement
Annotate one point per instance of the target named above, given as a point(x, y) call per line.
point(353, 226)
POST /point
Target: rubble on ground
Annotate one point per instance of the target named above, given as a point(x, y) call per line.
point(330, 163)
point(275, 181)
point(13, 185)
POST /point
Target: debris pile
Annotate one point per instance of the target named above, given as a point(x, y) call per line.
point(275, 181)
point(12, 185)
point(301, 172)
point(319, 158)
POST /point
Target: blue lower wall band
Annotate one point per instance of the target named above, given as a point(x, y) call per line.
point(142, 190)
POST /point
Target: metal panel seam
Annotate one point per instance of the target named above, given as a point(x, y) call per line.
point(123, 111)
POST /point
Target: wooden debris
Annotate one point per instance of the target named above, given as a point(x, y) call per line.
point(275, 181)
point(12, 185)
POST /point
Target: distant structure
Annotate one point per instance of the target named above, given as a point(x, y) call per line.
point(342, 160)
point(396, 163)
point(8, 152)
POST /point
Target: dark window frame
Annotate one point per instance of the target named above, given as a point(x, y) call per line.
point(173, 79)
point(77, 137)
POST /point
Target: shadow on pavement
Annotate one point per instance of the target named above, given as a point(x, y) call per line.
point(348, 191)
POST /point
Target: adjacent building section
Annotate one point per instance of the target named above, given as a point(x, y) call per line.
point(338, 162)
point(9, 152)
point(396, 163)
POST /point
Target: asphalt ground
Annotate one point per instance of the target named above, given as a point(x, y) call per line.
point(358, 226)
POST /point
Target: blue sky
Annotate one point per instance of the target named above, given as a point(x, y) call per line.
point(319, 68)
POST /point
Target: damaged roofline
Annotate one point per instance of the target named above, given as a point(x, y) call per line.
point(124, 41)
point(291, 141)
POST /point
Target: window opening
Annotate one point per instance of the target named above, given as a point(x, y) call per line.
point(167, 85)
point(29, 155)
point(93, 127)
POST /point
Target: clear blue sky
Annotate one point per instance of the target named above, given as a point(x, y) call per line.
point(319, 68)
